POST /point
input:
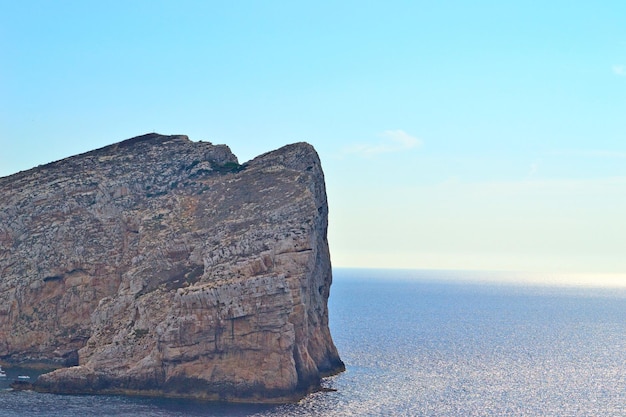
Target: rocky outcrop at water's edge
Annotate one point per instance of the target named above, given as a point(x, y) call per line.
point(161, 266)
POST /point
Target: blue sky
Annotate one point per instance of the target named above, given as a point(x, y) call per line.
point(453, 134)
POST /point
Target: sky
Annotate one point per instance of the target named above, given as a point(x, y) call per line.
point(479, 135)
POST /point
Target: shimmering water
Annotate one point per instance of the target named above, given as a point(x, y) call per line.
point(422, 344)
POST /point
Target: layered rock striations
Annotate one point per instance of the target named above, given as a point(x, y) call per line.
point(162, 266)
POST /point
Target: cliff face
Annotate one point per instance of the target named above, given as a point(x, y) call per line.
point(161, 266)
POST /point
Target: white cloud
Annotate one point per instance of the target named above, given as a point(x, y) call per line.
point(534, 168)
point(391, 141)
point(597, 153)
point(619, 69)
point(608, 154)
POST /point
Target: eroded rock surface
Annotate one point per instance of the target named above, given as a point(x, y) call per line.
point(161, 266)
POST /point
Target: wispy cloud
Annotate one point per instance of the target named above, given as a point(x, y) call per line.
point(619, 69)
point(592, 153)
point(608, 154)
point(534, 168)
point(391, 141)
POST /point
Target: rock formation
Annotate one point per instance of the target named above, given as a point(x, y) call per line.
point(161, 266)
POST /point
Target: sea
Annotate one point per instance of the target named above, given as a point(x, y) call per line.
point(432, 343)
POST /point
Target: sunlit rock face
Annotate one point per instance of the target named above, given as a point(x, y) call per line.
point(161, 266)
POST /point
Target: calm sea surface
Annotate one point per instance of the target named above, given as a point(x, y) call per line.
point(423, 343)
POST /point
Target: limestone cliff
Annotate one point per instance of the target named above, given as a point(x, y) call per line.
point(162, 266)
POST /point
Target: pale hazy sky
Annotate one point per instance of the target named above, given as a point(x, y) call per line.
point(454, 134)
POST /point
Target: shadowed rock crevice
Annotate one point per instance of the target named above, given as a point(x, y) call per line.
point(161, 266)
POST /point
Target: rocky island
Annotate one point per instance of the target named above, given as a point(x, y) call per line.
point(162, 266)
